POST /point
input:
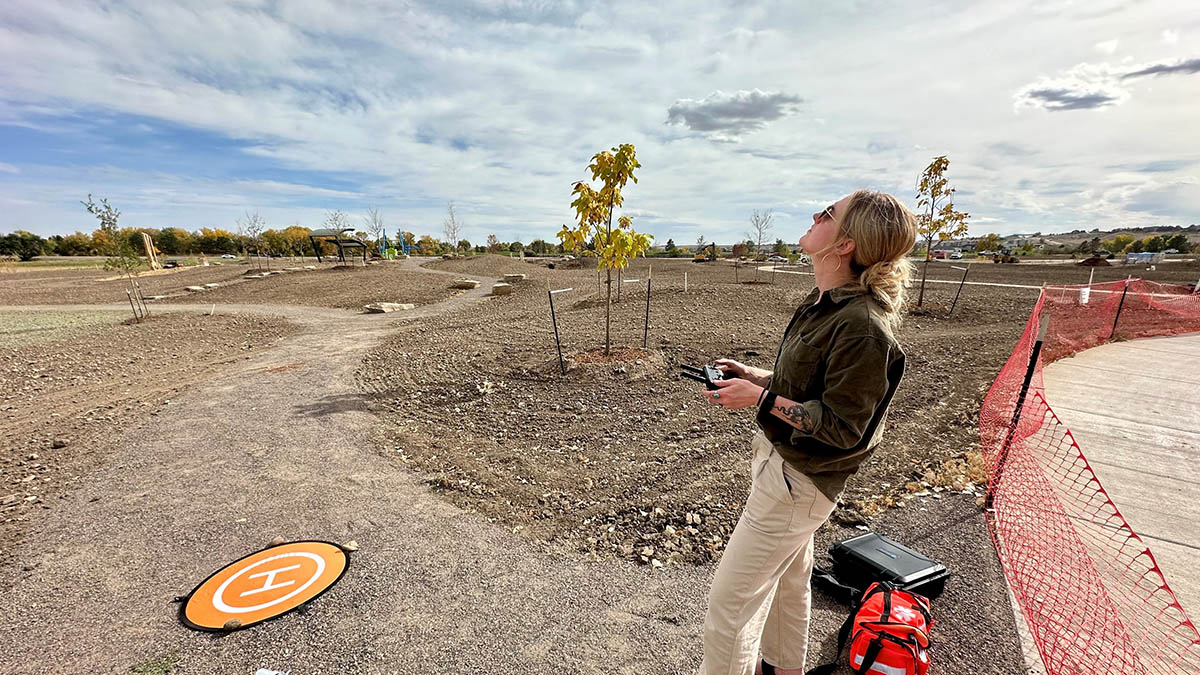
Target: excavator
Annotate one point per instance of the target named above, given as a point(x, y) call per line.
point(706, 254)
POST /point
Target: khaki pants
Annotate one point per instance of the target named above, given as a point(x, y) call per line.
point(761, 590)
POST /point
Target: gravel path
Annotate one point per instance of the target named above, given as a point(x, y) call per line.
point(197, 486)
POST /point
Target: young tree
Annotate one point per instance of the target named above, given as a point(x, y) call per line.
point(493, 244)
point(669, 250)
point(464, 245)
point(760, 231)
point(122, 256)
point(937, 217)
point(373, 224)
point(252, 225)
point(451, 225)
point(612, 247)
point(700, 241)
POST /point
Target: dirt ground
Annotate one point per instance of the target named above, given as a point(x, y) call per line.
point(92, 286)
point(616, 460)
point(345, 287)
point(72, 381)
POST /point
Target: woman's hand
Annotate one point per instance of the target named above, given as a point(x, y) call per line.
point(731, 367)
point(734, 394)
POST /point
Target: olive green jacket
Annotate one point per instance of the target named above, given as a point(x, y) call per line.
point(841, 362)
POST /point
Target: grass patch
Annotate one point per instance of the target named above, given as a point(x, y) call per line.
point(163, 664)
point(61, 262)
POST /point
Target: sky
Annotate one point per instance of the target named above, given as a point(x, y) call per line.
point(1055, 115)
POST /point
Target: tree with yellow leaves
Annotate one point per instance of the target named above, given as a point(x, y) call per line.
point(936, 216)
point(595, 235)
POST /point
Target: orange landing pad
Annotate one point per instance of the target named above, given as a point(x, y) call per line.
point(264, 585)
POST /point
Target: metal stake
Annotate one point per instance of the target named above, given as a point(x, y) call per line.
point(954, 304)
point(562, 368)
point(1120, 305)
point(1002, 457)
point(646, 327)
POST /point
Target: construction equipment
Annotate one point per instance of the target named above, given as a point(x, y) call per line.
point(1004, 256)
point(706, 254)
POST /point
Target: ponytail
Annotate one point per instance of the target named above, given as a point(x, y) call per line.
point(884, 232)
point(887, 281)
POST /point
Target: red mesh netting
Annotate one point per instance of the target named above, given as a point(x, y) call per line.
point(1089, 588)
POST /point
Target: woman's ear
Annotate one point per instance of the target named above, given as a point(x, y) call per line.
point(845, 246)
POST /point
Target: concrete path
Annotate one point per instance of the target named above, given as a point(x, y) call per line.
point(1134, 409)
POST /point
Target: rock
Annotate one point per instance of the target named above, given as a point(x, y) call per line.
point(277, 541)
point(384, 307)
point(513, 278)
point(465, 283)
point(58, 443)
point(211, 285)
point(310, 267)
point(351, 546)
point(502, 288)
point(193, 289)
point(232, 624)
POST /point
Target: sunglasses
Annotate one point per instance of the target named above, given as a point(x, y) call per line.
point(824, 214)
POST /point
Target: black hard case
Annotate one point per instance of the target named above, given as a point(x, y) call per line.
point(868, 558)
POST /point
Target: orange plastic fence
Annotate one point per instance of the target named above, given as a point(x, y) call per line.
point(1089, 588)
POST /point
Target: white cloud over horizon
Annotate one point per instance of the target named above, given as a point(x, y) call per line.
point(190, 113)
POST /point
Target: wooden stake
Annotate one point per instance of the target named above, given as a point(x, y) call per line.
point(135, 314)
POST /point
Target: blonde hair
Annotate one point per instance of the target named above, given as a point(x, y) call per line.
point(884, 232)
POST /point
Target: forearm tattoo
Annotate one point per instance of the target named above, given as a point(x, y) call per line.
point(795, 414)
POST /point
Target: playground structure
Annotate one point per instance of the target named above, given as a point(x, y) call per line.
point(340, 239)
point(151, 252)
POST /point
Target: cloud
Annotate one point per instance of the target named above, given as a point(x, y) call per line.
point(729, 115)
point(1108, 46)
point(1084, 87)
point(1185, 67)
point(1170, 36)
point(8, 168)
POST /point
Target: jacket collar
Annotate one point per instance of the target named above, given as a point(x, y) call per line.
point(837, 295)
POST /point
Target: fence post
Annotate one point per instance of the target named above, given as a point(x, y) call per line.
point(1120, 306)
point(685, 282)
point(1030, 369)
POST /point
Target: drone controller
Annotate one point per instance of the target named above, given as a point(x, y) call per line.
point(706, 374)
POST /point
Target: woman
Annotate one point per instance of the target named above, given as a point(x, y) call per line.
point(820, 415)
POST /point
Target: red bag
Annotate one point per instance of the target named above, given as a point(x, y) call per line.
point(888, 633)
